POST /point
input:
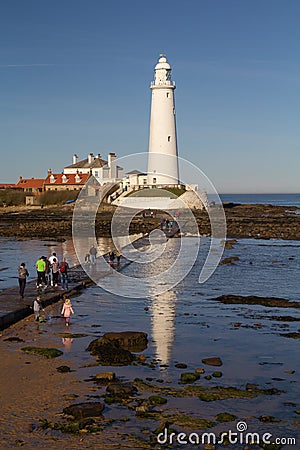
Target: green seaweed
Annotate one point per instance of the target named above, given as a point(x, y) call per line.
point(189, 377)
point(204, 393)
point(225, 417)
point(45, 352)
point(157, 400)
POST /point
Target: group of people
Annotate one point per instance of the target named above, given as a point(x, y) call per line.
point(112, 255)
point(50, 272)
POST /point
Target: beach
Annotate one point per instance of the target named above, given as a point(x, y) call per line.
point(255, 340)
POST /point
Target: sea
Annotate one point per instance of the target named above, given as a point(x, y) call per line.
point(258, 345)
point(270, 199)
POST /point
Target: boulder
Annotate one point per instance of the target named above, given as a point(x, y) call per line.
point(135, 341)
point(213, 361)
point(82, 410)
point(110, 353)
point(230, 260)
point(120, 390)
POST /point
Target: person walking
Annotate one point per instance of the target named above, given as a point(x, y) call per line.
point(41, 272)
point(51, 260)
point(67, 310)
point(111, 256)
point(55, 271)
point(93, 253)
point(118, 255)
point(37, 306)
point(22, 274)
point(63, 269)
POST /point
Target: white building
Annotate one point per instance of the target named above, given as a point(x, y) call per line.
point(162, 158)
point(104, 171)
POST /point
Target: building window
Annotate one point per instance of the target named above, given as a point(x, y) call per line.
point(169, 138)
point(96, 173)
point(154, 180)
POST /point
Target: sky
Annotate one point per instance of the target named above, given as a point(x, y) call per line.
point(75, 77)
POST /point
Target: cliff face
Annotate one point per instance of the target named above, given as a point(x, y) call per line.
point(243, 221)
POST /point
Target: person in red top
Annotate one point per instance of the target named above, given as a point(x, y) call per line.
point(63, 268)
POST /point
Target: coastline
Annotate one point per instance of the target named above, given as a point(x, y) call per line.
point(256, 221)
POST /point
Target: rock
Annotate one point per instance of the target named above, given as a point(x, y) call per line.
point(207, 377)
point(228, 244)
point(14, 339)
point(142, 409)
point(135, 341)
point(157, 400)
point(199, 370)
point(180, 366)
point(189, 377)
point(217, 374)
point(110, 353)
point(142, 358)
point(225, 417)
point(230, 260)
point(82, 410)
point(120, 390)
point(63, 369)
point(268, 419)
point(213, 361)
point(46, 352)
point(105, 376)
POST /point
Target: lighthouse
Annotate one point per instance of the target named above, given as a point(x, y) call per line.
point(162, 153)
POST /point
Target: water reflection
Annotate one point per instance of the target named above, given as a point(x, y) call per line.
point(67, 342)
point(163, 311)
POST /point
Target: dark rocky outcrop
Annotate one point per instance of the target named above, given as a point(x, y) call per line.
point(110, 353)
point(135, 341)
point(83, 410)
point(119, 390)
point(255, 300)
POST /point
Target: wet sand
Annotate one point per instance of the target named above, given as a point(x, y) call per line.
point(31, 388)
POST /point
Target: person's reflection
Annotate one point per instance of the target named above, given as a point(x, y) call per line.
point(67, 341)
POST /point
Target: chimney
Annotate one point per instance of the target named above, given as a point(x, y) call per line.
point(90, 158)
point(99, 156)
point(75, 159)
point(49, 172)
point(112, 164)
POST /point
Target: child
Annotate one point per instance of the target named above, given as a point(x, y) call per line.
point(37, 306)
point(67, 310)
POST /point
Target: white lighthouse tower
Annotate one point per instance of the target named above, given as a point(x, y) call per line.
point(162, 156)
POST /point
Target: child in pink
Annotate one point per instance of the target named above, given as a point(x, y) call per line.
point(67, 310)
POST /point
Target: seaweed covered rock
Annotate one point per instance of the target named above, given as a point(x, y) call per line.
point(43, 351)
point(110, 353)
point(135, 341)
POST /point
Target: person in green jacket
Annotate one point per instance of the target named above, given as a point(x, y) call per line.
point(41, 272)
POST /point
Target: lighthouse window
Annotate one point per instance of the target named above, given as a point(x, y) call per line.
point(167, 94)
point(169, 138)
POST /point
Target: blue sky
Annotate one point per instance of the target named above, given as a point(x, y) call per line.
point(75, 76)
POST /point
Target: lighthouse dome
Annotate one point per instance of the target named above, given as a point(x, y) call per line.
point(162, 63)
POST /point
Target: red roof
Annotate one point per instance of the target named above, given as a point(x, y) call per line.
point(31, 183)
point(7, 185)
point(70, 179)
